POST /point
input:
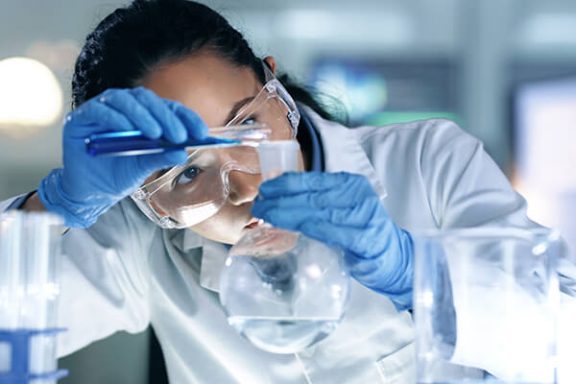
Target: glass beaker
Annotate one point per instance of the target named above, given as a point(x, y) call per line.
point(485, 305)
point(282, 290)
point(29, 289)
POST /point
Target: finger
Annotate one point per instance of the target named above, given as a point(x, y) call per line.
point(345, 227)
point(172, 128)
point(331, 234)
point(298, 182)
point(96, 117)
point(195, 126)
point(293, 219)
point(331, 198)
point(364, 242)
point(357, 215)
point(126, 104)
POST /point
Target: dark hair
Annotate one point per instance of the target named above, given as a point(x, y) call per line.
point(132, 40)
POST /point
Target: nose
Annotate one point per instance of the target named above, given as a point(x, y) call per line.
point(243, 187)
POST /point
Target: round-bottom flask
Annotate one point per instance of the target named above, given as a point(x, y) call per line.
point(282, 290)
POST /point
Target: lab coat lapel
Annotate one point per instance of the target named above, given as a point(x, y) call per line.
point(213, 257)
point(212, 265)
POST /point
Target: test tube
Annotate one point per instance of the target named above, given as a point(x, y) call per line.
point(277, 157)
point(130, 143)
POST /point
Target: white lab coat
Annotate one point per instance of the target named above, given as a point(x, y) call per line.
point(125, 273)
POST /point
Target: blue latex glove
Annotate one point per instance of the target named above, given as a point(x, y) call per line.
point(342, 209)
point(87, 186)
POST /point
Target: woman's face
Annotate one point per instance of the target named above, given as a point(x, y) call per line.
point(214, 89)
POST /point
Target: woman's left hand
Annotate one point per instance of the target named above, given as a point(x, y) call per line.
point(342, 209)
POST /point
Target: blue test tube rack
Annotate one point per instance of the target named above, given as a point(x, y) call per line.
point(20, 348)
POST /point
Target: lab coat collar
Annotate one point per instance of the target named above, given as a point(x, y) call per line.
point(210, 266)
point(213, 264)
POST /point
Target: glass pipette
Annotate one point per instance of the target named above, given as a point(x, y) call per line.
point(129, 143)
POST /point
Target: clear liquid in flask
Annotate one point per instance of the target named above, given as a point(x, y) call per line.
point(283, 291)
point(283, 334)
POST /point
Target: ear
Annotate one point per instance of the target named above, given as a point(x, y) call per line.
point(271, 62)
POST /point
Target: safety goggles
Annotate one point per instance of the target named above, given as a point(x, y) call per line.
point(188, 194)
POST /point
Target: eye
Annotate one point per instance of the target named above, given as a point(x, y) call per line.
point(188, 175)
point(249, 120)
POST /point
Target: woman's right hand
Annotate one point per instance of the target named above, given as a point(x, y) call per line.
point(88, 185)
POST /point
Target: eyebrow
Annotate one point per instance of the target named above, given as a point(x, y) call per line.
point(234, 111)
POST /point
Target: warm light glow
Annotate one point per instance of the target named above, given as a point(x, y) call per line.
point(30, 94)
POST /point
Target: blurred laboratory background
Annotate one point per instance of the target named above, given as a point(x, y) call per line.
point(505, 70)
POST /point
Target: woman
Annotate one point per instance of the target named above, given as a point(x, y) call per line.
point(174, 68)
